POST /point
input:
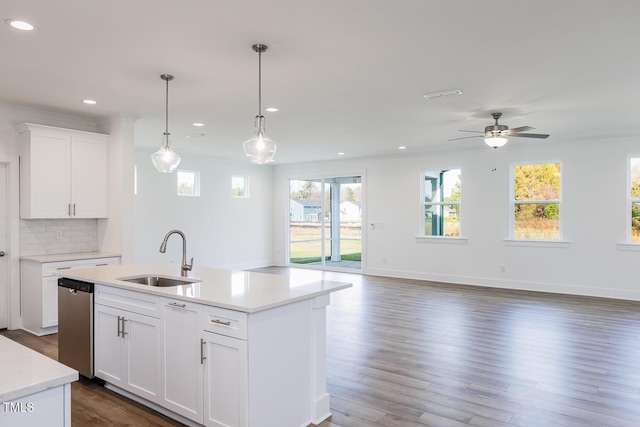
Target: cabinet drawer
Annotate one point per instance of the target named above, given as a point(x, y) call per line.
point(53, 268)
point(224, 322)
point(137, 302)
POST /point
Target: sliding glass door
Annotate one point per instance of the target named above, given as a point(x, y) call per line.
point(325, 222)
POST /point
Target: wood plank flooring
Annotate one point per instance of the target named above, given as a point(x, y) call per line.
point(415, 353)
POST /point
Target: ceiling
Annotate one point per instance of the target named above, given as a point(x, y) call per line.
point(347, 75)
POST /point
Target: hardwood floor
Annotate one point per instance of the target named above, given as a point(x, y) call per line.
point(414, 353)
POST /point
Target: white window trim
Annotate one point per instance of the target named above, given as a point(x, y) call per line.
point(196, 183)
point(246, 187)
point(630, 202)
point(560, 241)
point(421, 237)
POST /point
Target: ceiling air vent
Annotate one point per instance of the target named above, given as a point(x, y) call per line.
point(442, 93)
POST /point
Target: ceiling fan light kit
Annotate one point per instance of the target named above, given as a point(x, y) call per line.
point(495, 135)
point(260, 149)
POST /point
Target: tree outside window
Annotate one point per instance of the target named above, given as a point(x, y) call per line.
point(536, 198)
point(441, 194)
point(634, 198)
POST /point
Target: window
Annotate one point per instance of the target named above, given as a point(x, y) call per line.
point(441, 190)
point(535, 201)
point(239, 186)
point(634, 199)
point(188, 183)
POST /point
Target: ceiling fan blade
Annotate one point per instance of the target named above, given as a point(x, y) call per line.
point(521, 129)
point(466, 137)
point(530, 135)
point(474, 131)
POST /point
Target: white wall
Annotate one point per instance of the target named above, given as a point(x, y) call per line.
point(221, 231)
point(594, 214)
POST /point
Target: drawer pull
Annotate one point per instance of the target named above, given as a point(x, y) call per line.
point(63, 268)
point(119, 330)
point(175, 304)
point(220, 322)
point(100, 265)
point(202, 356)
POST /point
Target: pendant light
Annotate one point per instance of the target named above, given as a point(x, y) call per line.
point(259, 148)
point(165, 159)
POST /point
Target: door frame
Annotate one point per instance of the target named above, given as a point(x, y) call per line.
point(12, 163)
point(363, 202)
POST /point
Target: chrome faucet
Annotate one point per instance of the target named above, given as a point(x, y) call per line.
point(163, 247)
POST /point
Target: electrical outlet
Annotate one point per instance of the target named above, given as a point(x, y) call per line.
point(58, 235)
point(503, 269)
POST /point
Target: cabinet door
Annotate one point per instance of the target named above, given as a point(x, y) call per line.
point(143, 351)
point(108, 345)
point(225, 381)
point(45, 181)
point(89, 177)
point(49, 301)
point(182, 364)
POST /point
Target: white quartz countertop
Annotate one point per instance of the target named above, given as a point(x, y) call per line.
point(68, 257)
point(25, 372)
point(232, 289)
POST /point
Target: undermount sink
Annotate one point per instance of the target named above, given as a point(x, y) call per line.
point(154, 280)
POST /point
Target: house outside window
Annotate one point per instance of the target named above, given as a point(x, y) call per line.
point(634, 199)
point(441, 196)
point(536, 199)
point(188, 183)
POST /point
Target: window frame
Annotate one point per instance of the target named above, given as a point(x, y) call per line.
point(196, 183)
point(630, 200)
point(245, 180)
point(513, 202)
point(442, 203)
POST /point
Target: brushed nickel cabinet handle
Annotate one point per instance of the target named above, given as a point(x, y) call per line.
point(175, 304)
point(220, 322)
point(123, 327)
point(202, 356)
point(119, 331)
point(63, 268)
point(69, 209)
point(74, 209)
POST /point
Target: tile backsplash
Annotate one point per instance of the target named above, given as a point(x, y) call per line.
point(58, 236)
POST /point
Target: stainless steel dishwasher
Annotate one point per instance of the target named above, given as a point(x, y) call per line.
point(75, 325)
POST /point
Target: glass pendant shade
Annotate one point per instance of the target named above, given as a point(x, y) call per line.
point(165, 159)
point(260, 149)
point(496, 141)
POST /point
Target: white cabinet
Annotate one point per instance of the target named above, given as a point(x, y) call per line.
point(182, 367)
point(128, 350)
point(39, 283)
point(225, 380)
point(63, 173)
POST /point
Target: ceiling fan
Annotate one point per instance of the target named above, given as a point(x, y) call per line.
point(496, 135)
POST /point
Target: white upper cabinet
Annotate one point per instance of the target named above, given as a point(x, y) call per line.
point(63, 173)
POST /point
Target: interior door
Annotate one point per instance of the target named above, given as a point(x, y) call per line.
point(4, 260)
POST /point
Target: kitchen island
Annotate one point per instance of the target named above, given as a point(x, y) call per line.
point(228, 348)
point(34, 389)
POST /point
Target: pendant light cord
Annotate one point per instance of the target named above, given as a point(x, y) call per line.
point(259, 83)
point(166, 117)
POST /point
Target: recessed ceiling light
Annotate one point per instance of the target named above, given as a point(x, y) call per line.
point(340, 154)
point(442, 93)
point(402, 147)
point(198, 124)
point(272, 109)
point(20, 25)
point(196, 135)
point(89, 101)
